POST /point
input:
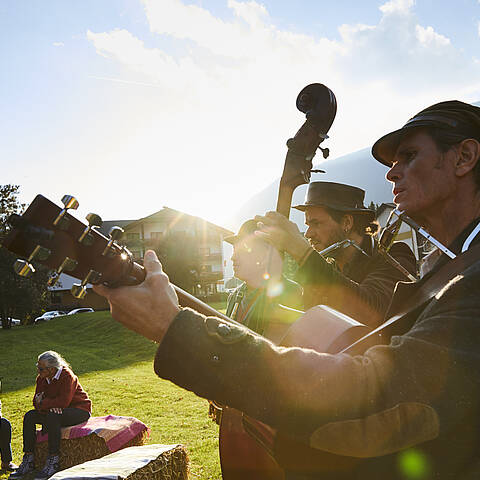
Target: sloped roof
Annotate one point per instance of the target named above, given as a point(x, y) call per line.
point(167, 213)
point(108, 224)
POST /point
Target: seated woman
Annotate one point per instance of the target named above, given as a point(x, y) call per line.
point(59, 401)
point(5, 440)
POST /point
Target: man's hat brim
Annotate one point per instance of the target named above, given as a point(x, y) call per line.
point(247, 229)
point(384, 148)
point(453, 116)
point(340, 208)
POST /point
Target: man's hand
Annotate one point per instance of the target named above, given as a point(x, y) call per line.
point(39, 398)
point(283, 234)
point(148, 308)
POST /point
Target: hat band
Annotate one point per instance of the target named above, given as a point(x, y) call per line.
point(433, 118)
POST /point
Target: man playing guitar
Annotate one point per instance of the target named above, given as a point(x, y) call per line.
point(419, 393)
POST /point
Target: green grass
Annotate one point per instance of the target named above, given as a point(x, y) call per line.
point(115, 366)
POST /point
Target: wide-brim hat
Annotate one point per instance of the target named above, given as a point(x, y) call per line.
point(337, 196)
point(246, 230)
point(453, 115)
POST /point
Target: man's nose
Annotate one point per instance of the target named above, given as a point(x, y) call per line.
point(394, 173)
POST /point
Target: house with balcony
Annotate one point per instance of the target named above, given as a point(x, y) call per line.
point(189, 236)
point(195, 237)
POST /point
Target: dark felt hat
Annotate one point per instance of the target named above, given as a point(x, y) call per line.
point(246, 230)
point(337, 196)
point(453, 116)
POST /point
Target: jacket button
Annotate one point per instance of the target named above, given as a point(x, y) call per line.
point(223, 330)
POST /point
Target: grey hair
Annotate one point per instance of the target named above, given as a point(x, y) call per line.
point(53, 359)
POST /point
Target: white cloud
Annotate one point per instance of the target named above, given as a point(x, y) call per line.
point(397, 6)
point(230, 91)
point(58, 44)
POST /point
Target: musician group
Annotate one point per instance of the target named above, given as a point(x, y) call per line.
point(406, 388)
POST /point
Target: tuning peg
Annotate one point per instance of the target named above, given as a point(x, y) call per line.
point(115, 234)
point(24, 268)
point(67, 265)
point(69, 202)
point(94, 221)
point(79, 290)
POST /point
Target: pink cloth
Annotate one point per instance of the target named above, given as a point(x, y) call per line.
point(116, 431)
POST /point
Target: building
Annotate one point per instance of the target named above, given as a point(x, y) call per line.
point(202, 243)
point(192, 238)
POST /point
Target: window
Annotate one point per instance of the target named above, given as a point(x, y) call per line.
point(156, 235)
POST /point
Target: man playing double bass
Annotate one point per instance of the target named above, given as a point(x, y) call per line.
point(356, 279)
point(415, 399)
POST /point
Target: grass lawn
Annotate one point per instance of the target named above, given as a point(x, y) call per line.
point(115, 366)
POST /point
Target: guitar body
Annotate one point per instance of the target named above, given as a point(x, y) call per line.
point(241, 456)
point(249, 448)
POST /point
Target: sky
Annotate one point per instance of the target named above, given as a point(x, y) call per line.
point(132, 105)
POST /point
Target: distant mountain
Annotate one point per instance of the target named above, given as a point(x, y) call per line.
point(358, 168)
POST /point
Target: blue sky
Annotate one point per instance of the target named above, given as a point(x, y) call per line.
point(135, 104)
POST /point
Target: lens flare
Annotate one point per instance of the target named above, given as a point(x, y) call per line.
point(414, 465)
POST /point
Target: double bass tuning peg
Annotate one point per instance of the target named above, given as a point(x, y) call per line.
point(325, 152)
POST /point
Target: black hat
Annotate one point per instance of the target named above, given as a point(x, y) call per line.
point(453, 116)
point(246, 230)
point(336, 196)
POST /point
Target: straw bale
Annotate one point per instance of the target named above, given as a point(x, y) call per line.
point(171, 465)
point(148, 462)
point(79, 450)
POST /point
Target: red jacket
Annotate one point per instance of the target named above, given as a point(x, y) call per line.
point(62, 393)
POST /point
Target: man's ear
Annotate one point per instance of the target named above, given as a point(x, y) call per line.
point(347, 223)
point(468, 155)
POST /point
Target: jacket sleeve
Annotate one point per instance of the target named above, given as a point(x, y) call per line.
point(366, 301)
point(390, 398)
point(37, 390)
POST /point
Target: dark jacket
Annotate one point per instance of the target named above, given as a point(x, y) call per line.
point(365, 287)
point(415, 400)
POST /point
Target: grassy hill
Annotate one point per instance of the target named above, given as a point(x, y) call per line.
point(115, 366)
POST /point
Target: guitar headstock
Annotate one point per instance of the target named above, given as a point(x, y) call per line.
point(50, 235)
point(319, 104)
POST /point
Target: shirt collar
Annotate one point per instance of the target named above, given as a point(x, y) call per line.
point(57, 375)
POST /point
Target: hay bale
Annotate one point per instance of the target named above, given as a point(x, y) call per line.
point(79, 450)
point(149, 462)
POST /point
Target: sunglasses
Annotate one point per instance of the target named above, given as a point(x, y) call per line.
point(41, 369)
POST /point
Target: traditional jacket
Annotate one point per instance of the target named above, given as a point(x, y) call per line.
point(414, 401)
point(365, 287)
point(63, 392)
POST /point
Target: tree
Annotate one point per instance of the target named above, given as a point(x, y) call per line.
point(180, 259)
point(19, 297)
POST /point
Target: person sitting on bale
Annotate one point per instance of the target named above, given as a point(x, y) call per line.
point(59, 401)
